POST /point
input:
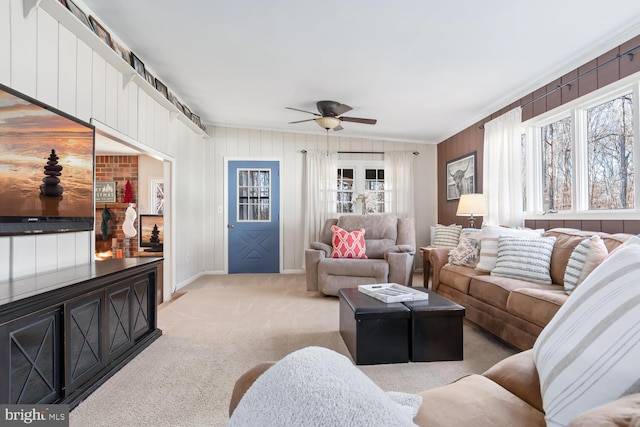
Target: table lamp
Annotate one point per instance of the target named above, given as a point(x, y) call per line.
point(472, 205)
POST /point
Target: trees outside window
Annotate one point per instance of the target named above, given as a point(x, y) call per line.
point(581, 157)
point(610, 154)
point(557, 165)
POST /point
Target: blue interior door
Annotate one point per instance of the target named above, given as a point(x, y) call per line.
point(254, 216)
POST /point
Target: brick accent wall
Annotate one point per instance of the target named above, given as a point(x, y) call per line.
point(119, 169)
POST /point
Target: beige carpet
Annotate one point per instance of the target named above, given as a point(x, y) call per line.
point(223, 325)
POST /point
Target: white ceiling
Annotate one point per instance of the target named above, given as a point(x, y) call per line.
point(424, 69)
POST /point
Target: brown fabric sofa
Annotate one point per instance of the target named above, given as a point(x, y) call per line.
point(390, 247)
point(507, 394)
point(514, 310)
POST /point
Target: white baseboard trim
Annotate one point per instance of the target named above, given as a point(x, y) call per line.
point(188, 281)
point(214, 272)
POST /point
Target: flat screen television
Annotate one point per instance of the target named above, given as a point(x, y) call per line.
point(46, 168)
point(151, 232)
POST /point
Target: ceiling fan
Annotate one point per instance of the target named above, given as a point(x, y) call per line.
point(330, 116)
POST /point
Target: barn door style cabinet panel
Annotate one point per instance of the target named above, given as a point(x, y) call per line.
point(62, 334)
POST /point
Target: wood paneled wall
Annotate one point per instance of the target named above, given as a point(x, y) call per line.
point(583, 81)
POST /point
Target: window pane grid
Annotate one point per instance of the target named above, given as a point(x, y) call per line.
point(587, 160)
point(374, 184)
point(345, 190)
point(254, 195)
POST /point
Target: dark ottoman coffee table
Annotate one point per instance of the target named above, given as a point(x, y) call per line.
point(375, 332)
point(436, 329)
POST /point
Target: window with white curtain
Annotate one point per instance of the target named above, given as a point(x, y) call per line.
point(364, 178)
point(586, 154)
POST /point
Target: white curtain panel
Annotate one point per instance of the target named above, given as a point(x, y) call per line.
point(321, 183)
point(502, 170)
point(398, 181)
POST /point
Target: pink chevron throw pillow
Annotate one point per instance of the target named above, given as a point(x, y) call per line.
point(347, 244)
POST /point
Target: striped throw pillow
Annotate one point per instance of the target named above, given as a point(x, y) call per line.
point(583, 260)
point(489, 243)
point(524, 258)
point(446, 236)
point(588, 354)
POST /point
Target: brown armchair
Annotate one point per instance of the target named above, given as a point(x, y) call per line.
point(390, 248)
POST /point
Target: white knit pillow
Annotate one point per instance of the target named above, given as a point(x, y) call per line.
point(489, 243)
point(524, 258)
point(583, 260)
point(446, 236)
point(588, 354)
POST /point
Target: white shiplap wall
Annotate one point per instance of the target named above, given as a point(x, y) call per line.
point(45, 60)
point(287, 146)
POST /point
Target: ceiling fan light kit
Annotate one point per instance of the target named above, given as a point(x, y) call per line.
point(329, 117)
point(328, 122)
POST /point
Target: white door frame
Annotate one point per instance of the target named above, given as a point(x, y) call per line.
point(169, 245)
point(225, 204)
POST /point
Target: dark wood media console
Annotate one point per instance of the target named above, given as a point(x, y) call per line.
point(64, 333)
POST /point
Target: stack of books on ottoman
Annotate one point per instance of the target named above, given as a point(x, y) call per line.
point(393, 292)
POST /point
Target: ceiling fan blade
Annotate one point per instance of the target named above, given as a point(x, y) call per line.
point(302, 121)
point(337, 128)
point(341, 109)
point(359, 120)
point(302, 111)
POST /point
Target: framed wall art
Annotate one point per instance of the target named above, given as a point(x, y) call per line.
point(120, 50)
point(461, 176)
point(100, 31)
point(77, 12)
point(196, 119)
point(105, 192)
point(149, 78)
point(137, 64)
point(162, 88)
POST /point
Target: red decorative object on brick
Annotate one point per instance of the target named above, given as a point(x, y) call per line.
point(128, 194)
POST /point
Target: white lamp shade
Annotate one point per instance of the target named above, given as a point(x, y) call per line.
point(472, 205)
point(327, 122)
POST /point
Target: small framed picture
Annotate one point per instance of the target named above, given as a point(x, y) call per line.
point(162, 88)
point(186, 111)
point(174, 101)
point(120, 50)
point(149, 78)
point(105, 192)
point(100, 31)
point(196, 119)
point(137, 64)
point(73, 8)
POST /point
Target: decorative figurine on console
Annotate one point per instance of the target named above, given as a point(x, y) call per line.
point(155, 240)
point(128, 228)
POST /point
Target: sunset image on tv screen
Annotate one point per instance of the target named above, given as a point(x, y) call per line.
point(47, 161)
